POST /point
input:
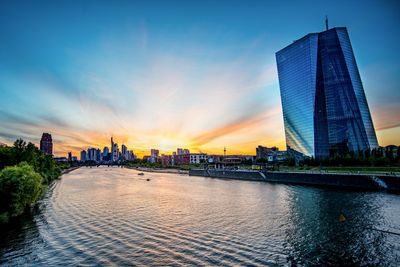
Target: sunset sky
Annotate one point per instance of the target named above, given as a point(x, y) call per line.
point(166, 74)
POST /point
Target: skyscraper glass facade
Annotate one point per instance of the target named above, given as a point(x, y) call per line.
point(325, 110)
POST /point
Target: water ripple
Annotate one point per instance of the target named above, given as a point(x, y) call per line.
point(110, 216)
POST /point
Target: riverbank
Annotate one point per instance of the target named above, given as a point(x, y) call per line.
point(389, 183)
point(158, 170)
point(17, 202)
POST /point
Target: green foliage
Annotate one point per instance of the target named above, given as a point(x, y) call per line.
point(22, 184)
point(290, 161)
point(48, 168)
point(378, 157)
point(248, 162)
point(20, 187)
point(7, 157)
point(29, 153)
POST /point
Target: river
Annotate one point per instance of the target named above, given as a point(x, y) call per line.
point(112, 216)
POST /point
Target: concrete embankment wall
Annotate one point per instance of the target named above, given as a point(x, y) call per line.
point(69, 170)
point(350, 181)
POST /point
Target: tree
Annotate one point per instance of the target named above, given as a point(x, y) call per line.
point(20, 186)
point(19, 147)
point(7, 157)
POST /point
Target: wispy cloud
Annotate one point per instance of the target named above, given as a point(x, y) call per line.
point(230, 128)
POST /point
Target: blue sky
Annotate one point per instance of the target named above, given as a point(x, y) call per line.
point(168, 74)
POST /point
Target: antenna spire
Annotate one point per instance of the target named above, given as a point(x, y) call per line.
point(326, 22)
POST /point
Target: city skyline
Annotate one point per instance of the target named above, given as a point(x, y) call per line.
point(183, 75)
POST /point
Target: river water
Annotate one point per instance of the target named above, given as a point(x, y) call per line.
point(112, 216)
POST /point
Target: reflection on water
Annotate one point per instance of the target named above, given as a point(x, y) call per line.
point(104, 216)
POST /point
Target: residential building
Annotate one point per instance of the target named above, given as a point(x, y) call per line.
point(183, 151)
point(166, 160)
point(325, 110)
point(198, 158)
point(263, 152)
point(181, 159)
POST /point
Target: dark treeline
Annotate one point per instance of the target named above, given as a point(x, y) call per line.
point(25, 173)
point(378, 157)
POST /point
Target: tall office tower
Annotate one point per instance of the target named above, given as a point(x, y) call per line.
point(325, 110)
point(115, 152)
point(112, 149)
point(69, 156)
point(46, 144)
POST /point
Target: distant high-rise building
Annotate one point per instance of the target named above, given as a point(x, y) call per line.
point(124, 152)
point(154, 152)
point(83, 155)
point(91, 154)
point(115, 152)
point(105, 151)
point(106, 156)
point(69, 156)
point(112, 149)
point(46, 144)
point(325, 110)
point(131, 155)
point(98, 155)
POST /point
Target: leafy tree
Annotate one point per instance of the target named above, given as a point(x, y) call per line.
point(7, 157)
point(20, 186)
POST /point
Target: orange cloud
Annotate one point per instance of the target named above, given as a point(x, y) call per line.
point(246, 122)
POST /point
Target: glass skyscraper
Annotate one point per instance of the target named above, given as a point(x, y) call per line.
point(325, 110)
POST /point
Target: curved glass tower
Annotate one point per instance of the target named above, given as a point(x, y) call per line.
point(325, 110)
